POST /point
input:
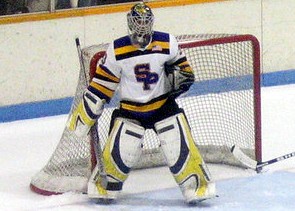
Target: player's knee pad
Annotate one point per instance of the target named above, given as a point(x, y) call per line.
point(182, 156)
point(121, 152)
point(176, 141)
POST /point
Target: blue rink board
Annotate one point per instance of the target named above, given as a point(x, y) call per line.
point(62, 106)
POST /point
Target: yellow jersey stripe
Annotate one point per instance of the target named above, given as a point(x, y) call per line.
point(158, 43)
point(131, 48)
point(125, 49)
point(144, 108)
point(100, 71)
point(102, 89)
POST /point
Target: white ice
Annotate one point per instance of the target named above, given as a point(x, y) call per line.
point(26, 147)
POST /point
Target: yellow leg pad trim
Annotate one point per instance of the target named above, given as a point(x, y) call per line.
point(101, 190)
point(80, 113)
point(109, 164)
point(194, 164)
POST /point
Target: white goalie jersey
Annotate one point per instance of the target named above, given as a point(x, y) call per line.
point(144, 85)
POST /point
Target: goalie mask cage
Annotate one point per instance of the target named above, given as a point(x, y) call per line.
point(222, 107)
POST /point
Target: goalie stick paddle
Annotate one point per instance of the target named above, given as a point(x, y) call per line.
point(93, 130)
point(256, 165)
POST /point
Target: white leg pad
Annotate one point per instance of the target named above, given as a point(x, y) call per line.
point(184, 160)
point(130, 142)
point(169, 135)
point(121, 152)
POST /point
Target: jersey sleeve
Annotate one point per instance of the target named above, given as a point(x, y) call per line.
point(178, 57)
point(107, 76)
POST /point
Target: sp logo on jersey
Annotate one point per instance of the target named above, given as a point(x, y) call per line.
point(144, 75)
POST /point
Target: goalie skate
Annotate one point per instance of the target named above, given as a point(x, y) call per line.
point(98, 194)
point(210, 193)
point(97, 189)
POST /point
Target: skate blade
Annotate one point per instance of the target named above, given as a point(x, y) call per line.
point(103, 200)
point(194, 202)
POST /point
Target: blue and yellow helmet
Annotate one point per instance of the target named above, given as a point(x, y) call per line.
point(140, 21)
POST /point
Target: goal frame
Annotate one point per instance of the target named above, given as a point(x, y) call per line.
point(183, 43)
point(256, 79)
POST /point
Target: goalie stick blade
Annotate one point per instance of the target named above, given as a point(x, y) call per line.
point(258, 166)
point(244, 159)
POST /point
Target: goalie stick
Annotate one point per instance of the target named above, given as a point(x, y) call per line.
point(256, 165)
point(93, 130)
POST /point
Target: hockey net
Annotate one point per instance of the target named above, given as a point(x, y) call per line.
point(222, 107)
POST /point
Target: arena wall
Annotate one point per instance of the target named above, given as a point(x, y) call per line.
point(39, 63)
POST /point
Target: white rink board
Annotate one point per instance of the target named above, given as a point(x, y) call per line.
point(39, 59)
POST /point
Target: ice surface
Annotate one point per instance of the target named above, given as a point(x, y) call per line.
point(27, 145)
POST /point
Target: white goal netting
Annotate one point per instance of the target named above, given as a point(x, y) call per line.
point(223, 108)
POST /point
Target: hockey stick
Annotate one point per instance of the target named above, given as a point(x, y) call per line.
point(256, 165)
point(93, 129)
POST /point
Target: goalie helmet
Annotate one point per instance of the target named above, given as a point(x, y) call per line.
point(140, 25)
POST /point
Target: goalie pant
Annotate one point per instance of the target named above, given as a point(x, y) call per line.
point(123, 149)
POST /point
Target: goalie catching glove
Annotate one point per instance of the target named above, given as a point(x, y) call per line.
point(86, 113)
point(180, 79)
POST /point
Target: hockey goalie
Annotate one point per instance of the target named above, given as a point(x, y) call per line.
point(149, 72)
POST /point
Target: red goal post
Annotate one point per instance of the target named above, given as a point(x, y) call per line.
point(222, 107)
